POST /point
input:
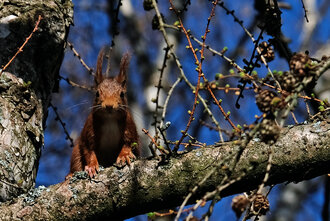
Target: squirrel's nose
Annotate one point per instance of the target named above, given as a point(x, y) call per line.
point(110, 104)
point(109, 108)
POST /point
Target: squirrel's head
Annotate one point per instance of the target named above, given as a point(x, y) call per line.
point(111, 91)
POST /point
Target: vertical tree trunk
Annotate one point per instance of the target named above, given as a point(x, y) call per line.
point(26, 85)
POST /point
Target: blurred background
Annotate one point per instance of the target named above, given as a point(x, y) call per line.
point(129, 28)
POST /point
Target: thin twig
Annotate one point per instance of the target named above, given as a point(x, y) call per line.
point(164, 138)
point(90, 70)
point(154, 142)
point(268, 167)
point(214, 128)
point(192, 192)
point(9, 184)
point(68, 137)
point(170, 212)
point(319, 113)
point(208, 47)
point(21, 48)
point(307, 108)
point(230, 61)
point(305, 10)
point(169, 94)
point(76, 85)
point(217, 191)
point(159, 86)
point(294, 118)
point(261, 186)
point(190, 144)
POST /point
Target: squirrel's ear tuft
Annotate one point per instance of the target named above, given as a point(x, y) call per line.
point(98, 78)
point(122, 76)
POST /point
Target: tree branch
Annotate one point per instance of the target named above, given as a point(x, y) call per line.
point(302, 152)
point(31, 75)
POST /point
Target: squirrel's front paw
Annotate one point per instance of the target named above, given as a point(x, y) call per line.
point(125, 156)
point(91, 170)
point(68, 176)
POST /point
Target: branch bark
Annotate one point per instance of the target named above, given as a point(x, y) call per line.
point(302, 152)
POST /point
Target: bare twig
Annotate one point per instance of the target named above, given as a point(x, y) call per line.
point(90, 70)
point(76, 85)
point(161, 130)
point(58, 118)
point(213, 128)
point(208, 47)
point(154, 142)
point(192, 192)
point(217, 191)
point(21, 48)
point(305, 10)
point(169, 94)
point(159, 86)
point(294, 118)
point(261, 186)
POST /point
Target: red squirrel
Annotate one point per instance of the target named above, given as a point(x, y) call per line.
point(109, 134)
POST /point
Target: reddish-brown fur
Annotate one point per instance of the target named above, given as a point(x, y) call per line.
point(109, 134)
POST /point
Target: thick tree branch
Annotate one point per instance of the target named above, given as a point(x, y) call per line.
point(27, 84)
point(302, 152)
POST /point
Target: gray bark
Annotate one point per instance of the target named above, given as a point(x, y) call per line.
point(302, 152)
point(26, 87)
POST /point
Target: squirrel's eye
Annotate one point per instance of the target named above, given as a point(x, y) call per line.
point(97, 94)
point(122, 94)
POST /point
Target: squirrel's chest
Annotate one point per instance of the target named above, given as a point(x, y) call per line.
point(110, 136)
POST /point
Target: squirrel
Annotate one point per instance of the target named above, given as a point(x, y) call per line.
point(109, 134)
